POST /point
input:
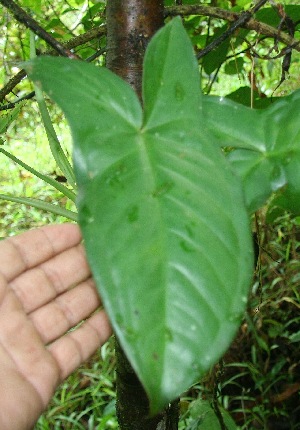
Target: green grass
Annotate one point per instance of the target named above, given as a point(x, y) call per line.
point(86, 400)
point(261, 371)
point(26, 140)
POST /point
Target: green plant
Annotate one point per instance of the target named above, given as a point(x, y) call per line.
point(259, 382)
point(17, 181)
point(59, 187)
point(156, 183)
point(86, 399)
point(58, 155)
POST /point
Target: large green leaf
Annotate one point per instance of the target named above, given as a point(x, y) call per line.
point(267, 142)
point(246, 95)
point(270, 15)
point(217, 56)
point(165, 227)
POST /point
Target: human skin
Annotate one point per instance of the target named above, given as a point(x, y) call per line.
point(46, 288)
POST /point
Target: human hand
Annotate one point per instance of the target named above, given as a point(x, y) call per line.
point(45, 289)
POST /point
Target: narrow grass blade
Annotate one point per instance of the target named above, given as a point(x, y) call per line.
point(39, 204)
point(57, 185)
point(54, 143)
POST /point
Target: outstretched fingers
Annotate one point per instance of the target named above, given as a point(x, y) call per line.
point(71, 350)
point(34, 247)
point(45, 282)
point(60, 315)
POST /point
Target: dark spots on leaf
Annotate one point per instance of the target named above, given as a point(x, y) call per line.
point(131, 333)
point(168, 335)
point(119, 319)
point(133, 214)
point(86, 216)
point(115, 177)
point(186, 247)
point(190, 230)
point(179, 92)
point(162, 189)
point(155, 356)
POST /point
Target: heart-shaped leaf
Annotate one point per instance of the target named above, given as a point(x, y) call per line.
point(163, 218)
point(267, 157)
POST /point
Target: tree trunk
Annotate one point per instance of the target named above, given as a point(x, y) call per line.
point(130, 25)
point(132, 401)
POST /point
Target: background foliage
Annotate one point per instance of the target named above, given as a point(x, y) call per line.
point(258, 379)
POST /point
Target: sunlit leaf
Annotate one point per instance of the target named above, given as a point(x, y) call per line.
point(35, 5)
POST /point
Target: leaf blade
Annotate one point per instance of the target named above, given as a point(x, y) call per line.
point(265, 146)
point(156, 206)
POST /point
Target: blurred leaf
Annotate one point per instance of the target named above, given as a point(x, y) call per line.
point(190, 2)
point(216, 57)
point(53, 23)
point(245, 4)
point(269, 15)
point(34, 5)
point(234, 66)
point(239, 38)
point(165, 227)
point(295, 337)
point(273, 212)
point(289, 197)
point(91, 15)
point(244, 95)
point(267, 143)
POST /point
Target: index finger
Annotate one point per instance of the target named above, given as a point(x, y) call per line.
point(29, 249)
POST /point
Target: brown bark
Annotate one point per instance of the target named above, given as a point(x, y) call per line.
point(130, 25)
point(132, 402)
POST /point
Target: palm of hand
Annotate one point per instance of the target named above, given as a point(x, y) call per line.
point(45, 289)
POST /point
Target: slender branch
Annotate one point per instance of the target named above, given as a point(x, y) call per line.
point(215, 403)
point(11, 84)
point(29, 96)
point(92, 34)
point(12, 105)
point(21, 16)
point(240, 22)
point(71, 44)
point(252, 24)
